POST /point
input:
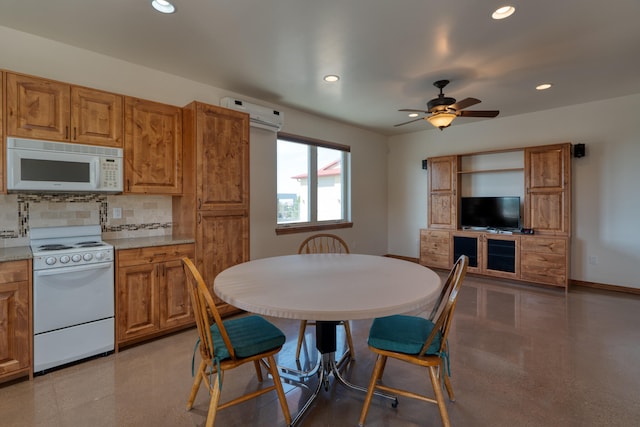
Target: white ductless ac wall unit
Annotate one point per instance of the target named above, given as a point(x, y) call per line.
point(259, 116)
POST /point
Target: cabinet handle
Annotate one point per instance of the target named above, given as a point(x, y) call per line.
point(128, 185)
point(199, 203)
point(66, 132)
point(199, 218)
point(75, 133)
point(157, 271)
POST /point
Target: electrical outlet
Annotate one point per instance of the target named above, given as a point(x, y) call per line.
point(117, 213)
point(593, 260)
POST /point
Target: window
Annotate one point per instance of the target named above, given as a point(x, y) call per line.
point(313, 184)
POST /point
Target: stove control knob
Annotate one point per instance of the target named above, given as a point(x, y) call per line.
point(65, 259)
point(87, 257)
point(76, 257)
point(100, 256)
point(50, 260)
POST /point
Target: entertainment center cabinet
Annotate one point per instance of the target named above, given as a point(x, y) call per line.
point(540, 176)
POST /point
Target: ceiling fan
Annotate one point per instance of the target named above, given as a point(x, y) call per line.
point(443, 109)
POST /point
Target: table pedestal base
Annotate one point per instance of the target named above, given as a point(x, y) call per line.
point(327, 366)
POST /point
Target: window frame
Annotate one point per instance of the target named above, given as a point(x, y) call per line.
point(313, 224)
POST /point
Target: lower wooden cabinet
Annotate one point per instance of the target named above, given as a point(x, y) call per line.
point(545, 260)
point(538, 259)
point(151, 292)
point(15, 319)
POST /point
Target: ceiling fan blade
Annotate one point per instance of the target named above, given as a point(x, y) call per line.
point(414, 111)
point(479, 113)
point(410, 121)
point(465, 103)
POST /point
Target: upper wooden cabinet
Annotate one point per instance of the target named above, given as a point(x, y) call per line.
point(547, 205)
point(45, 109)
point(222, 158)
point(443, 192)
point(2, 137)
point(153, 147)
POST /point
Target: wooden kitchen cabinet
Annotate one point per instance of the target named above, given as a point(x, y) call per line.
point(214, 206)
point(545, 260)
point(15, 320)
point(46, 109)
point(152, 147)
point(435, 249)
point(152, 297)
point(548, 191)
point(443, 192)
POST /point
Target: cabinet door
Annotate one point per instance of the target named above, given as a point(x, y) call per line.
point(37, 108)
point(544, 260)
point(137, 301)
point(443, 189)
point(152, 147)
point(2, 137)
point(175, 302)
point(222, 158)
point(501, 255)
point(435, 249)
point(222, 241)
point(548, 198)
point(15, 336)
point(471, 245)
point(96, 117)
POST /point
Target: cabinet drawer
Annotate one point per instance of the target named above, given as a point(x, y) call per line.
point(544, 268)
point(153, 254)
point(545, 246)
point(14, 271)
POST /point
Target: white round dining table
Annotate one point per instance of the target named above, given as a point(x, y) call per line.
point(327, 288)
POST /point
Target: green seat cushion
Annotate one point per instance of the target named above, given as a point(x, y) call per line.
point(403, 334)
point(249, 336)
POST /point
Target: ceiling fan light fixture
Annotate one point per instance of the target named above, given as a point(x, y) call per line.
point(441, 120)
point(331, 78)
point(163, 6)
point(503, 12)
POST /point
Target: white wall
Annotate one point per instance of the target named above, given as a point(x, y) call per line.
point(34, 55)
point(606, 183)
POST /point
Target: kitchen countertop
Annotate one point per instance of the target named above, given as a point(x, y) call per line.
point(142, 242)
point(15, 254)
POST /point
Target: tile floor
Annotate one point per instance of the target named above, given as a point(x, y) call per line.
point(520, 356)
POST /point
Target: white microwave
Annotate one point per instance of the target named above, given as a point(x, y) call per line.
point(34, 165)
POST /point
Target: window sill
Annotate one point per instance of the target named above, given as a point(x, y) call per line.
point(303, 228)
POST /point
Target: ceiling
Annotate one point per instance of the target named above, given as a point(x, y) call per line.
point(387, 53)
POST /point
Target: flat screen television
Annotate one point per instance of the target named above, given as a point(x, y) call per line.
point(490, 212)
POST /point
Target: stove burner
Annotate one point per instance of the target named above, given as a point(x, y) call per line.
point(89, 244)
point(54, 247)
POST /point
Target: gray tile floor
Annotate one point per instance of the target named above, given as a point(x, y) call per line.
point(520, 356)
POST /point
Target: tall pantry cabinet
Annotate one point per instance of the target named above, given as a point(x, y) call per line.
point(214, 206)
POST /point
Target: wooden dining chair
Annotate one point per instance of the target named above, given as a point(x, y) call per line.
point(418, 341)
point(324, 243)
point(225, 345)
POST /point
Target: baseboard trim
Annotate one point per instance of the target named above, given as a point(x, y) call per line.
point(614, 288)
point(572, 282)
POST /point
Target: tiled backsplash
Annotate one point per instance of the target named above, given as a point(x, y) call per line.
point(142, 216)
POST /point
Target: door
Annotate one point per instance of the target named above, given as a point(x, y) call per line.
point(175, 308)
point(137, 301)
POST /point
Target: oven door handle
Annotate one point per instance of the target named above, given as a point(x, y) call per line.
point(72, 269)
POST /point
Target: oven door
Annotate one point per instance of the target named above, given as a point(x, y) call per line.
point(72, 295)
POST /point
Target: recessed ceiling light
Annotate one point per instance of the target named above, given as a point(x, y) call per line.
point(331, 78)
point(544, 86)
point(413, 115)
point(503, 12)
point(163, 6)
